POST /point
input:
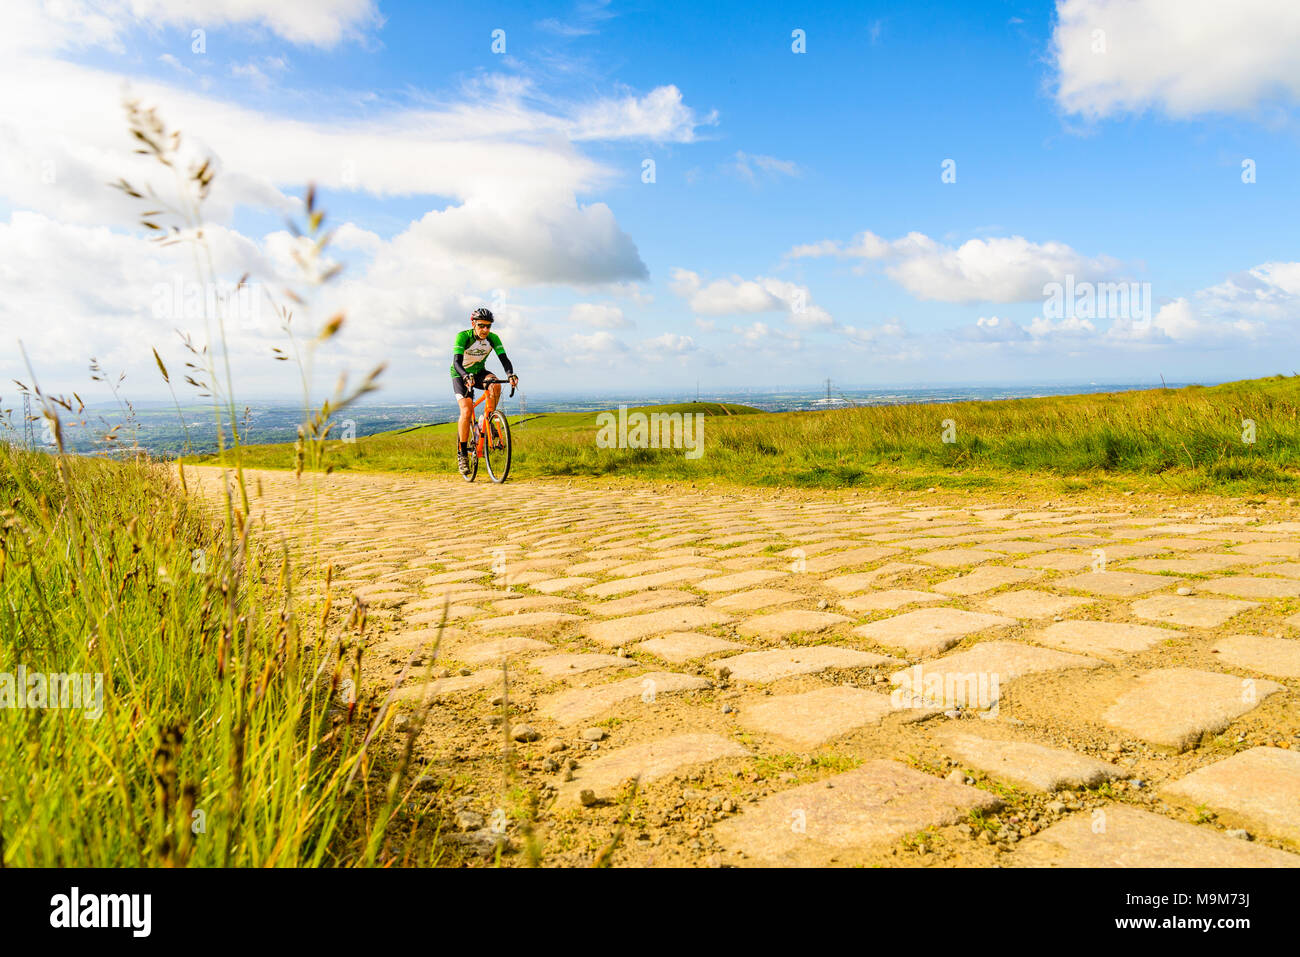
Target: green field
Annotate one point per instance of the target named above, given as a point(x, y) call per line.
point(1187, 440)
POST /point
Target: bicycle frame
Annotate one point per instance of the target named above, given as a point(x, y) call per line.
point(479, 432)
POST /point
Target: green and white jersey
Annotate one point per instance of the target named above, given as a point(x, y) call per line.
point(475, 351)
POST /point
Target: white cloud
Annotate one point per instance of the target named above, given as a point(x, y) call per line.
point(993, 329)
point(759, 335)
point(890, 329)
point(736, 296)
point(1182, 57)
point(523, 244)
point(1270, 291)
point(659, 116)
point(516, 219)
point(599, 316)
point(592, 349)
point(669, 345)
point(744, 165)
point(71, 24)
point(1010, 269)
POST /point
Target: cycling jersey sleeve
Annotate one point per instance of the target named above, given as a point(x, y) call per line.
point(500, 350)
point(458, 354)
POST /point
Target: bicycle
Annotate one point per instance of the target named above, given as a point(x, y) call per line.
point(489, 440)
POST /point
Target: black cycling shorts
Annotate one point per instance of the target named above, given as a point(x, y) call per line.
point(458, 384)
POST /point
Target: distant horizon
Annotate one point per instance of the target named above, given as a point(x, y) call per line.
point(382, 397)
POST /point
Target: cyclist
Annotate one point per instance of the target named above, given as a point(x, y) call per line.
point(469, 372)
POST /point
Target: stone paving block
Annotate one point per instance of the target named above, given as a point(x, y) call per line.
point(642, 601)
point(452, 613)
point(1016, 547)
point(985, 579)
point(1245, 586)
point(1026, 764)
point(519, 602)
point(1289, 549)
point(957, 557)
point(640, 691)
point(857, 811)
point(889, 600)
point(814, 717)
point(744, 579)
point(594, 566)
point(929, 630)
point(652, 565)
point(1279, 657)
point(1056, 561)
point(689, 575)
point(485, 652)
point(749, 562)
point(619, 631)
point(681, 646)
point(466, 575)
point(975, 678)
point(567, 663)
point(1178, 707)
point(1117, 584)
point(855, 556)
point(1287, 569)
point(552, 585)
point(528, 619)
point(861, 581)
point(756, 599)
point(1196, 565)
point(804, 549)
point(776, 663)
point(1258, 788)
point(1190, 612)
point(1105, 639)
point(791, 621)
point(447, 687)
point(647, 762)
point(1125, 837)
point(1032, 604)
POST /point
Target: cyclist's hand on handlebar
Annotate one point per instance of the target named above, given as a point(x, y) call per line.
point(514, 380)
point(469, 382)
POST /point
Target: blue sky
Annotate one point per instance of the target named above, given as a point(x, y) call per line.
point(797, 226)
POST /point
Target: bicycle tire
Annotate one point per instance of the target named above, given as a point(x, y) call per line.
point(500, 427)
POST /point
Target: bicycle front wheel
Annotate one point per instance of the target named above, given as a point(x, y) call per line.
point(496, 446)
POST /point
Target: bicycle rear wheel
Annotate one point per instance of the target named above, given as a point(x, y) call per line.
point(496, 446)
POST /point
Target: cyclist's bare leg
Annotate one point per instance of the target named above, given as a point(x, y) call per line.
point(466, 417)
point(493, 396)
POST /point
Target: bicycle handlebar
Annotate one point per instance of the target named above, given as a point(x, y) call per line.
point(491, 378)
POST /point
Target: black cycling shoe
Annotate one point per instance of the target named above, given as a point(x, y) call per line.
point(462, 463)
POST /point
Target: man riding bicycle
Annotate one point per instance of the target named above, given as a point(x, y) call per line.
point(469, 372)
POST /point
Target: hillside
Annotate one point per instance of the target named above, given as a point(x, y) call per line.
point(1237, 438)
